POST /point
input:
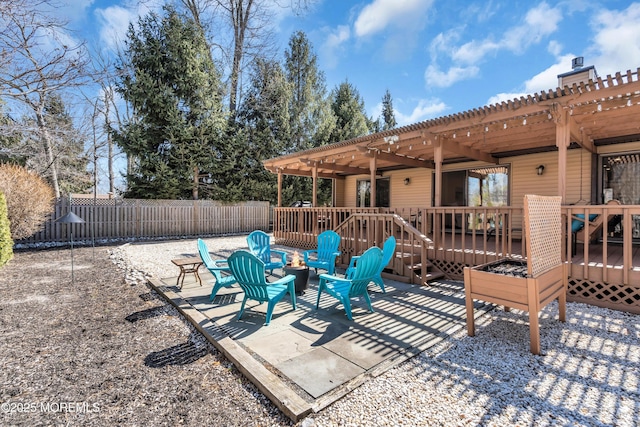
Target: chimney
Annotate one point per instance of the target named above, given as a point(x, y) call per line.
point(578, 74)
point(577, 62)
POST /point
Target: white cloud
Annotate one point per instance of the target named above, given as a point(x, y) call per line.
point(435, 77)
point(541, 82)
point(115, 20)
point(474, 51)
point(444, 42)
point(617, 40)
point(71, 10)
point(548, 78)
point(554, 48)
point(538, 22)
point(380, 14)
point(426, 109)
point(333, 45)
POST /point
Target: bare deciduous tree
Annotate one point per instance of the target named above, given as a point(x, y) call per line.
point(38, 60)
point(250, 23)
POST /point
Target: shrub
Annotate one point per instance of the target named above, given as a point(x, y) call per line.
point(29, 199)
point(6, 243)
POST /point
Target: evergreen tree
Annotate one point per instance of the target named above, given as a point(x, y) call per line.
point(70, 157)
point(10, 137)
point(176, 140)
point(65, 152)
point(348, 107)
point(312, 120)
point(388, 116)
point(264, 114)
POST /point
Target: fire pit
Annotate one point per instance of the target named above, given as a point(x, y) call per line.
point(300, 270)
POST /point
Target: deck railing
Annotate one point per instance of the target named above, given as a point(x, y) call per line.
point(477, 235)
point(361, 231)
point(604, 252)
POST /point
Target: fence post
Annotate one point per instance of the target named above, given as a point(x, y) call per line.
point(196, 218)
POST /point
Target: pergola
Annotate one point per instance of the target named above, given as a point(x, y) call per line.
point(587, 114)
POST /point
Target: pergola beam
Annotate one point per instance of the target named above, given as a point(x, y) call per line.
point(298, 172)
point(336, 167)
point(399, 159)
point(472, 153)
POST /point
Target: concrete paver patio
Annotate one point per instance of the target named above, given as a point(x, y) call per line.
point(306, 359)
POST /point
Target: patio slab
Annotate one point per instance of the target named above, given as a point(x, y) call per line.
point(318, 355)
point(319, 371)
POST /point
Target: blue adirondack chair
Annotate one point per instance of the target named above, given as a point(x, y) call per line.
point(388, 251)
point(260, 246)
point(219, 269)
point(344, 289)
point(249, 271)
point(325, 255)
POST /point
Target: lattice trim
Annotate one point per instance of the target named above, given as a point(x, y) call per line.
point(452, 270)
point(599, 292)
point(542, 222)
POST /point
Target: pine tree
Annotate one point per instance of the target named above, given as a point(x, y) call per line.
point(348, 107)
point(264, 115)
point(176, 141)
point(312, 120)
point(388, 116)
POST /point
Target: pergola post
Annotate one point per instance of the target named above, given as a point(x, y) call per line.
point(563, 139)
point(437, 158)
point(314, 174)
point(437, 197)
point(279, 188)
point(372, 170)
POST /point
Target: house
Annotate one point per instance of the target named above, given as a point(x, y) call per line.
point(453, 186)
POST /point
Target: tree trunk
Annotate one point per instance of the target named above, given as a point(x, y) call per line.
point(48, 146)
point(196, 171)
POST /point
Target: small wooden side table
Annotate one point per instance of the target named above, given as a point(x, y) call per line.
point(188, 265)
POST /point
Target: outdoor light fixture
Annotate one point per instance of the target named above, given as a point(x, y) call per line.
point(407, 181)
point(71, 218)
point(540, 169)
point(391, 139)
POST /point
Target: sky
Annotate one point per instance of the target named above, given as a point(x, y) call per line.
point(436, 57)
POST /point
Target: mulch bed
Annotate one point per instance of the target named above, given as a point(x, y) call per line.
point(105, 351)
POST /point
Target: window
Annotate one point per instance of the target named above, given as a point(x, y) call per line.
point(620, 182)
point(476, 187)
point(363, 193)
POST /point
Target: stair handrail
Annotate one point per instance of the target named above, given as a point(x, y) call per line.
point(413, 235)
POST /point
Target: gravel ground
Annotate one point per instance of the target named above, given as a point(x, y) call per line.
point(104, 350)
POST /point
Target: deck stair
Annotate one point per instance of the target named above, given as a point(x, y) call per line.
point(415, 269)
point(410, 263)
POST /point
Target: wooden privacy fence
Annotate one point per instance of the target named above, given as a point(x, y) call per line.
point(121, 219)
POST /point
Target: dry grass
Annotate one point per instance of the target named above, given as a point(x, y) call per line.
point(111, 347)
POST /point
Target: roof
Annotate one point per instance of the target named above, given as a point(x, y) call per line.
point(595, 111)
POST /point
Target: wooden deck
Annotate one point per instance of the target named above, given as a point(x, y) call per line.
point(604, 273)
